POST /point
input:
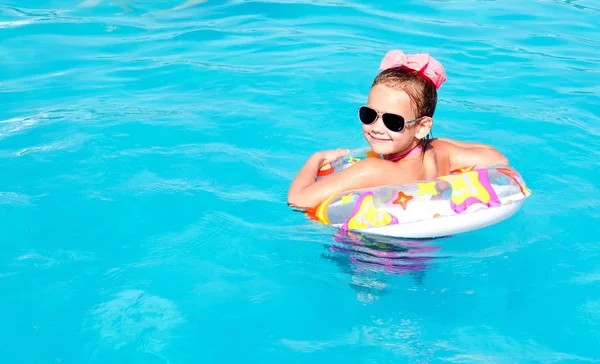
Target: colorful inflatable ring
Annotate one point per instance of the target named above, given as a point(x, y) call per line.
point(465, 200)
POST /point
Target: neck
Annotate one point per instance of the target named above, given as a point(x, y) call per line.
point(410, 152)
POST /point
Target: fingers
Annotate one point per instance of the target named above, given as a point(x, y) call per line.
point(343, 151)
point(332, 155)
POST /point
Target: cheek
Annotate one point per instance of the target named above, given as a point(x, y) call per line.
point(396, 138)
point(402, 138)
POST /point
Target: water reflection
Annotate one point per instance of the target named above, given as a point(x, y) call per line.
point(369, 258)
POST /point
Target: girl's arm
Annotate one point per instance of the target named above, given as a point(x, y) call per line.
point(306, 192)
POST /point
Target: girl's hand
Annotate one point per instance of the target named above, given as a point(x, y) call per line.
point(331, 155)
point(300, 194)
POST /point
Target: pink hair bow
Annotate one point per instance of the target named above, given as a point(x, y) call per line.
point(420, 62)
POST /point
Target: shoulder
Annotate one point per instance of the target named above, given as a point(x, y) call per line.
point(372, 172)
point(382, 172)
point(453, 149)
point(374, 168)
point(442, 151)
point(443, 144)
point(465, 154)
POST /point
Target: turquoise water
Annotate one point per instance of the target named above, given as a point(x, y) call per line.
point(146, 149)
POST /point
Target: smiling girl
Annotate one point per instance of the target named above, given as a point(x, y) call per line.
point(396, 122)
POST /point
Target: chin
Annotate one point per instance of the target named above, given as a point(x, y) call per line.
point(382, 149)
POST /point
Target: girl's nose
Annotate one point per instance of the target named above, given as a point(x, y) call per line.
point(378, 126)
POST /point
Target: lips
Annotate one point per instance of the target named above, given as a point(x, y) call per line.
point(378, 140)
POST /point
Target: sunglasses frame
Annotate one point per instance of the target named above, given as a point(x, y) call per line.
point(380, 115)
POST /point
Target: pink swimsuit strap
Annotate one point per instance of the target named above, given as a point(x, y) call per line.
point(413, 151)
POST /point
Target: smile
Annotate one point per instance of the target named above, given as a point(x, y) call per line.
point(378, 140)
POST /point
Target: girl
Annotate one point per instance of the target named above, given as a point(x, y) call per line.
point(396, 122)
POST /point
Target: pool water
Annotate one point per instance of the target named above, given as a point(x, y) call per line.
point(146, 149)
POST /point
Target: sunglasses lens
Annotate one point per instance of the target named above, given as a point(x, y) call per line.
point(367, 115)
point(393, 122)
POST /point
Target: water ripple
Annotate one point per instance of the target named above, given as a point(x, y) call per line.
point(13, 198)
point(161, 138)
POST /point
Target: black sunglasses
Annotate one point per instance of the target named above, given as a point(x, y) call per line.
point(394, 122)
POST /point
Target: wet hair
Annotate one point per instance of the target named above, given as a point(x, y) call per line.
point(421, 91)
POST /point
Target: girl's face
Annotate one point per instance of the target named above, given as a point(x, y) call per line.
point(384, 141)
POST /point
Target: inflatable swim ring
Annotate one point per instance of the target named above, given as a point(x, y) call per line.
point(465, 200)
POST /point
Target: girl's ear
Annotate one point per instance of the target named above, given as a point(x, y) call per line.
point(424, 127)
